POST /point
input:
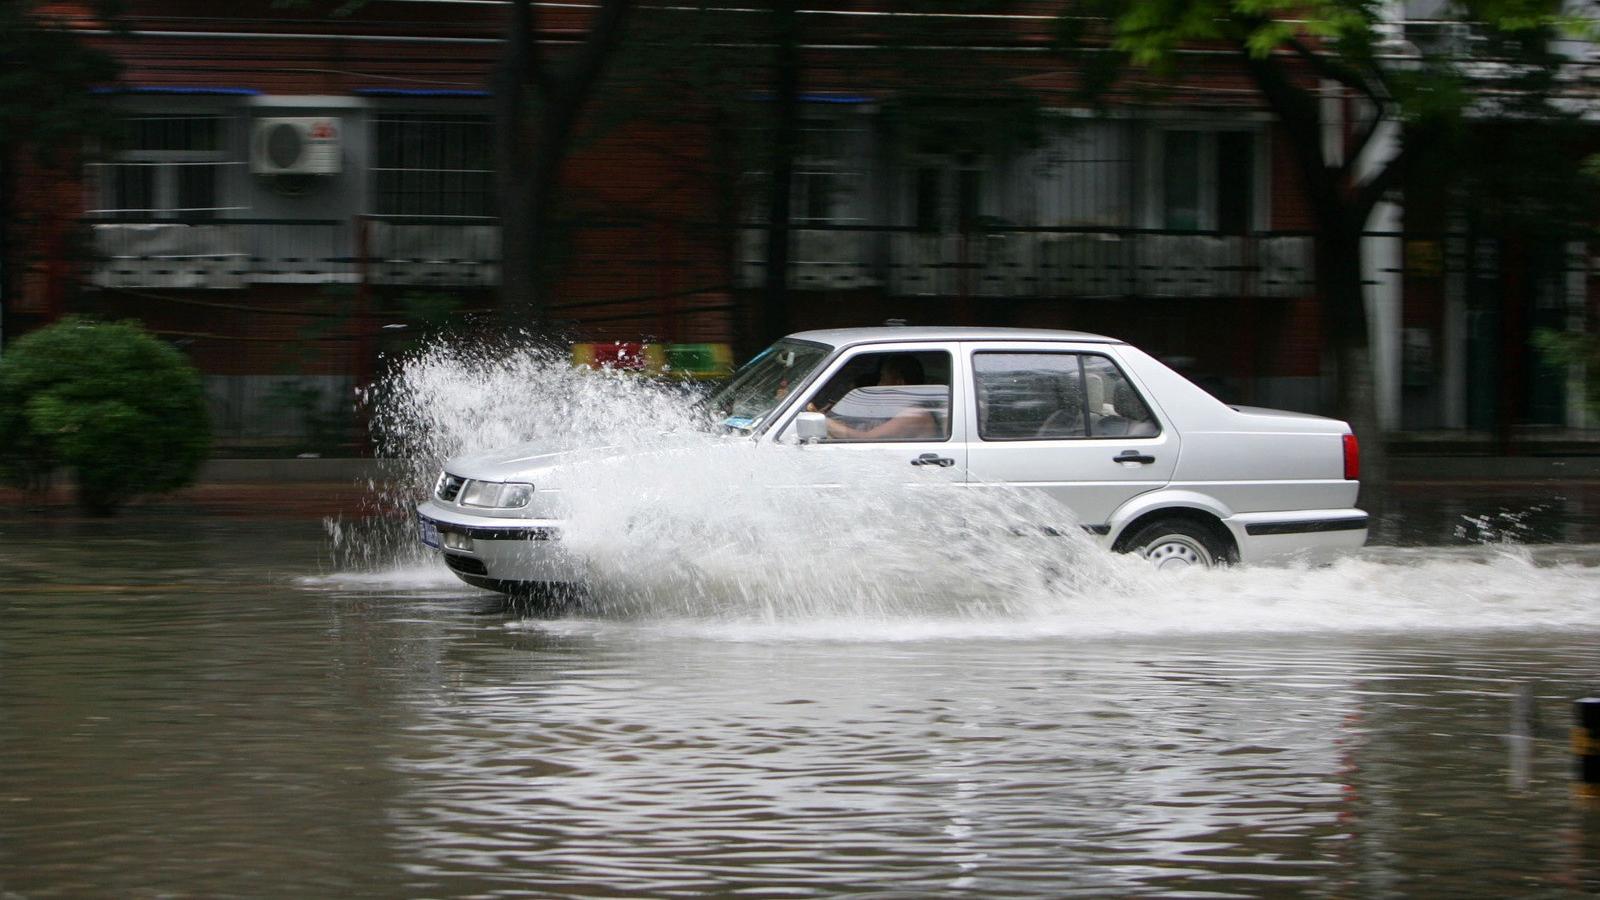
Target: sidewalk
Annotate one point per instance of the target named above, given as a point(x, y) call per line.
point(257, 500)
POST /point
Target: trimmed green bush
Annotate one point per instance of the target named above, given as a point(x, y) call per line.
point(122, 410)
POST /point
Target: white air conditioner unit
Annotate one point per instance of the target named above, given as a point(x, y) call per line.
point(295, 146)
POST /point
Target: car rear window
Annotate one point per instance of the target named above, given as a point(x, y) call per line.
point(1050, 395)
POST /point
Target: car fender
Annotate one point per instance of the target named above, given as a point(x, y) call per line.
point(1164, 499)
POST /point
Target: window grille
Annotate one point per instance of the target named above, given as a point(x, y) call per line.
point(167, 167)
point(828, 176)
point(829, 179)
point(429, 165)
point(1084, 176)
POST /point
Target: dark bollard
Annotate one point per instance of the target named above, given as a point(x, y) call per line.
point(1586, 745)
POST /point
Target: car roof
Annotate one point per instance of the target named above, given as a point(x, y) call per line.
point(845, 337)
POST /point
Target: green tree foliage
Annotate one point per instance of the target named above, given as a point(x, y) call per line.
point(47, 107)
point(46, 73)
point(122, 410)
point(1566, 348)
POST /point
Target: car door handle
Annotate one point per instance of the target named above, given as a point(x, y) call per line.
point(933, 459)
point(1133, 456)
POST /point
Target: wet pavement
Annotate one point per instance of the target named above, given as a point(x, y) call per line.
point(200, 698)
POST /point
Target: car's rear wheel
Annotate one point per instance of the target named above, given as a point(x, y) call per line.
point(1178, 544)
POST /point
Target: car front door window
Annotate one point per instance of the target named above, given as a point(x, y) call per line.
point(883, 397)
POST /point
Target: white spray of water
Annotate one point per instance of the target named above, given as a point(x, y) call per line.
point(686, 528)
point(729, 529)
point(447, 399)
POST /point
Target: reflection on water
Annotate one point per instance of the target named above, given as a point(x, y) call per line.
point(184, 710)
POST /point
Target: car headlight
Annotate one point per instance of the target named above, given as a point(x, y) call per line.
point(495, 495)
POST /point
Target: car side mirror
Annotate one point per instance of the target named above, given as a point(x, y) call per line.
point(810, 427)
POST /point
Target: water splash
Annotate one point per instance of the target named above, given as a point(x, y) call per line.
point(1505, 526)
point(445, 399)
point(727, 528)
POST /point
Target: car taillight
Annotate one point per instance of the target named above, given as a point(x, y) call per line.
point(1352, 458)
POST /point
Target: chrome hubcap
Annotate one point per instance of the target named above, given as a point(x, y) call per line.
point(1177, 552)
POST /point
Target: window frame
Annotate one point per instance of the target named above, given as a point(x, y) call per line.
point(783, 429)
point(380, 119)
point(165, 165)
point(1083, 382)
point(952, 208)
point(1259, 215)
point(843, 158)
point(826, 156)
point(950, 404)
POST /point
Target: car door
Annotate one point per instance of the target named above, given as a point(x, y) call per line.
point(916, 426)
point(1065, 419)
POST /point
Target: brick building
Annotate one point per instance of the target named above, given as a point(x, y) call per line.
point(295, 186)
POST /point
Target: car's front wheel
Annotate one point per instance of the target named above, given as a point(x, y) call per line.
point(1178, 544)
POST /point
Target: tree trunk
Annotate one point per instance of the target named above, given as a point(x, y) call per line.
point(536, 113)
point(518, 266)
point(8, 265)
point(785, 134)
point(725, 171)
point(1344, 316)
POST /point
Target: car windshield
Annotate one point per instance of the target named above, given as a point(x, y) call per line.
point(762, 383)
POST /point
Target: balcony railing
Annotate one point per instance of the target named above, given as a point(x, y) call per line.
point(436, 252)
point(1038, 262)
point(223, 254)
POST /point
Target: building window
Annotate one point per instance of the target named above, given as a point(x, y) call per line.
point(168, 167)
point(1180, 180)
point(828, 177)
point(1236, 168)
point(1084, 176)
point(948, 194)
point(430, 165)
point(1207, 181)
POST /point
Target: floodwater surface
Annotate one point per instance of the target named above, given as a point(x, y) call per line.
point(878, 691)
point(200, 707)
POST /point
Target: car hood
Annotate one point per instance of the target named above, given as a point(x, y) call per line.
point(524, 461)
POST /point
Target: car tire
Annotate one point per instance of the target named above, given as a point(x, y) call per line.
point(1178, 544)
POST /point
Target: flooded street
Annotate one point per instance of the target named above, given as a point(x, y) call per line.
point(193, 705)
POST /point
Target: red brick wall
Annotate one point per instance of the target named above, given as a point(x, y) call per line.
point(45, 238)
point(649, 179)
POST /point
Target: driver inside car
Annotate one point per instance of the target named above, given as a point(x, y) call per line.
point(911, 422)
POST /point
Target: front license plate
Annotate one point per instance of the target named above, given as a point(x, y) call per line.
point(430, 532)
